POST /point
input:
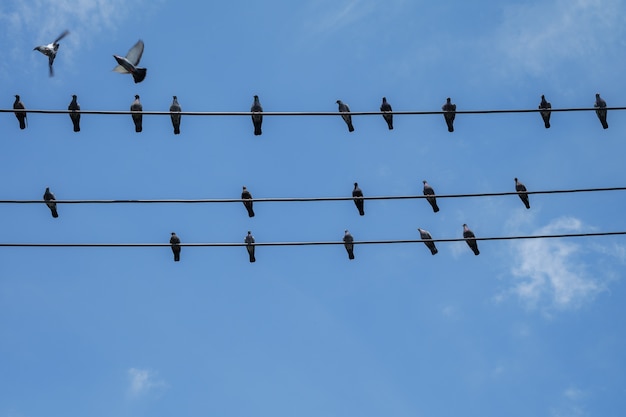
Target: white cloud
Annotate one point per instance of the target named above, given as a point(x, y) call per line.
point(143, 381)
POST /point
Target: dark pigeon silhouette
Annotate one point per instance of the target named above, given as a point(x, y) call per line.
point(358, 202)
point(521, 192)
point(137, 117)
point(48, 197)
point(250, 246)
point(469, 237)
point(75, 117)
point(430, 193)
point(245, 195)
point(128, 64)
point(175, 242)
point(386, 107)
point(257, 119)
point(175, 115)
point(50, 50)
point(450, 114)
point(545, 113)
point(349, 245)
point(425, 235)
point(343, 108)
point(21, 115)
point(601, 111)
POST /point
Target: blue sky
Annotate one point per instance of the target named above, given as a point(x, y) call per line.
point(530, 327)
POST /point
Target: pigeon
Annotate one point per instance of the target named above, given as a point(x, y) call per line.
point(425, 235)
point(601, 110)
point(250, 246)
point(343, 108)
point(521, 191)
point(545, 114)
point(74, 107)
point(175, 242)
point(358, 202)
point(137, 117)
point(430, 193)
point(386, 107)
point(175, 108)
point(245, 195)
point(48, 197)
point(50, 50)
point(348, 243)
point(469, 237)
point(21, 115)
point(450, 113)
point(257, 119)
point(129, 63)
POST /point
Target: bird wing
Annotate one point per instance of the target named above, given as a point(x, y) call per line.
point(134, 54)
point(61, 36)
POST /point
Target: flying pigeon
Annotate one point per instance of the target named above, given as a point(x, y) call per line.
point(386, 107)
point(545, 114)
point(48, 197)
point(348, 243)
point(245, 195)
point(21, 115)
point(425, 235)
point(137, 117)
point(129, 63)
point(601, 110)
point(257, 119)
point(469, 237)
point(74, 107)
point(343, 108)
point(175, 108)
point(358, 202)
point(175, 242)
point(250, 246)
point(430, 193)
point(450, 113)
point(50, 50)
point(521, 191)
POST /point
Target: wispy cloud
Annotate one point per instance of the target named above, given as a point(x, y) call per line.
point(331, 16)
point(143, 381)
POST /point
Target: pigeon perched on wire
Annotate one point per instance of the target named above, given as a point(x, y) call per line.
point(386, 107)
point(348, 244)
point(175, 242)
point(601, 111)
point(50, 50)
point(128, 64)
point(249, 240)
point(175, 115)
point(450, 113)
point(245, 195)
point(521, 192)
point(358, 202)
point(345, 110)
point(257, 119)
point(425, 235)
point(429, 192)
point(48, 197)
point(469, 237)
point(137, 117)
point(545, 107)
point(75, 117)
point(21, 115)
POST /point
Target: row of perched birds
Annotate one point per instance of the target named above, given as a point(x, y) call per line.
point(448, 108)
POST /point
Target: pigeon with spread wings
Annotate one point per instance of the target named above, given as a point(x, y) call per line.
point(128, 64)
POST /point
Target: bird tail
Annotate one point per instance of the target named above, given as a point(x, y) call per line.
point(139, 74)
point(434, 250)
point(527, 204)
point(250, 212)
point(547, 124)
point(76, 127)
point(361, 211)
point(252, 258)
point(350, 255)
point(55, 214)
point(176, 257)
point(476, 251)
point(257, 131)
point(138, 126)
point(350, 127)
point(450, 128)
point(23, 123)
point(176, 130)
point(605, 125)
point(435, 207)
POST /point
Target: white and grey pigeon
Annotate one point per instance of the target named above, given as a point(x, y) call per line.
point(386, 107)
point(175, 242)
point(246, 195)
point(450, 113)
point(521, 192)
point(48, 197)
point(358, 202)
point(425, 235)
point(21, 115)
point(601, 111)
point(345, 110)
point(545, 107)
point(429, 192)
point(137, 117)
point(470, 238)
point(50, 50)
point(348, 244)
point(128, 64)
point(257, 119)
point(75, 117)
point(175, 115)
point(249, 240)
